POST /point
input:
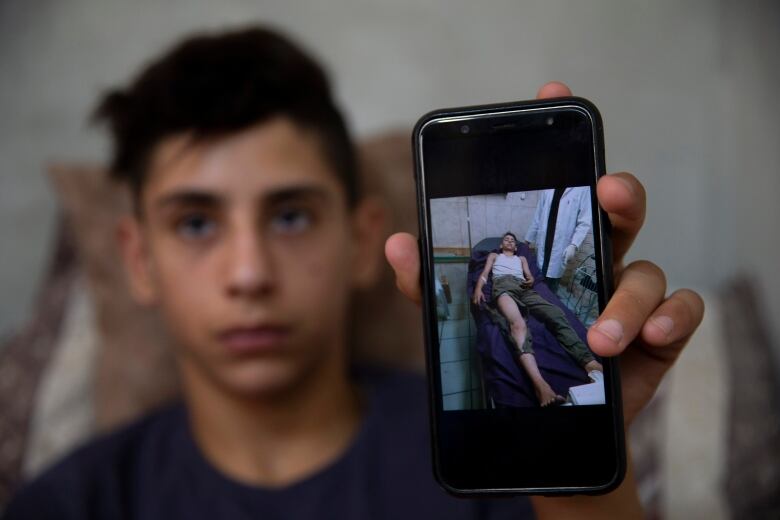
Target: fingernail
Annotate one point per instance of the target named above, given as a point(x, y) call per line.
point(664, 323)
point(611, 328)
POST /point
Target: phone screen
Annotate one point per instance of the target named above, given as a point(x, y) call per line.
point(515, 270)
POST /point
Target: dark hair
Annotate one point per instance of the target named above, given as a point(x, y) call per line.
point(217, 84)
point(508, 233)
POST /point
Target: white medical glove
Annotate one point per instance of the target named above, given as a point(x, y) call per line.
point(568, 255)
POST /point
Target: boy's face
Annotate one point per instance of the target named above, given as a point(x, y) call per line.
point(509, 243)
point(248, 247)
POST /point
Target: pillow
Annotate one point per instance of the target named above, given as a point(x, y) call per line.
point(134, 368)
point(62, 416)
point(24, 357)
point(385, 327)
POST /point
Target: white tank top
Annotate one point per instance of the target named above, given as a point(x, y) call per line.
point(508, 265)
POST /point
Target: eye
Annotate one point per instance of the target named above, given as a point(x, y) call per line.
point(196, 226)
point(291, 221)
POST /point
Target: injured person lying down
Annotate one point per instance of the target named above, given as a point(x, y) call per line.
point(508, 304)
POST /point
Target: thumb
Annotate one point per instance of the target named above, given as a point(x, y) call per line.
point(402, 254)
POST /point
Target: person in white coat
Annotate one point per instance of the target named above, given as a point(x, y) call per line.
point(573, 222)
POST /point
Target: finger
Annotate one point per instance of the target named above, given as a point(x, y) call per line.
point(553, 89)
point(640, 291)
point(623, 198)
point(663, 337)
point(402, 254)
point(675, 319)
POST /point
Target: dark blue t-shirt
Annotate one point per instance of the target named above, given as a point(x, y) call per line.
point(154, 470)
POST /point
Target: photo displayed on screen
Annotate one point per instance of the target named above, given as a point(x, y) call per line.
point(516, 289)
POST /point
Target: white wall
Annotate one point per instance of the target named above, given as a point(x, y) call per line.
point(686, 89)
point(465, 221)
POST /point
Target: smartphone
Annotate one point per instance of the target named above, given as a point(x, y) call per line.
point(508, 217)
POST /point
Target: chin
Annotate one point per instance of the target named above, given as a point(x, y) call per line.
point(264, 379)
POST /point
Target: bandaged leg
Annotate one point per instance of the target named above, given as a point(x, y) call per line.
point(519, 333)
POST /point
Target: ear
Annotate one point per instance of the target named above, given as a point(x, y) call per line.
point(370, 231)
point(136, 259)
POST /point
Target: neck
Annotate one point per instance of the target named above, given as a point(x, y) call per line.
point(274, 440)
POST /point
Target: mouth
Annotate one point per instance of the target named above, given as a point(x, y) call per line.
point(260, 339)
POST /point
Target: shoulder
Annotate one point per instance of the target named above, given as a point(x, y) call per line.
point(102, 468)
point(398, 405)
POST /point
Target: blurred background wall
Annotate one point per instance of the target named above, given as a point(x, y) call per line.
point(686, 90)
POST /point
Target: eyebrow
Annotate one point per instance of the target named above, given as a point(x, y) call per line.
point(195, 197)
point(189, 198)
point(295, 193)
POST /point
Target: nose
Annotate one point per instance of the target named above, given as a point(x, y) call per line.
point(250, 264)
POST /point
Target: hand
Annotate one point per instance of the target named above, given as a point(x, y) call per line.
point(639, 314)
point(568, 254)
point(478, 297)
point(528, 283)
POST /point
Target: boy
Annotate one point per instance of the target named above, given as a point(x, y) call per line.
point(513, 295)
point(249, 235)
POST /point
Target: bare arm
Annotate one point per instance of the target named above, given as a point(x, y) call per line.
point(529, 278)
point(478, 297)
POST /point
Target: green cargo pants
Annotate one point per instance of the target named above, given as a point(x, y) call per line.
point(553, 318)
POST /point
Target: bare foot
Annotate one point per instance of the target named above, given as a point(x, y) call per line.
point(547, 395)
point(593, 365)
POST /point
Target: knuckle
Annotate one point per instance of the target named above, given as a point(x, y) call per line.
point(628, 300)
point(692, 302)
point(641, 290)
point(649, 270)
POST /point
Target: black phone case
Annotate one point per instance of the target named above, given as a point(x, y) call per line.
point(607, 286)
